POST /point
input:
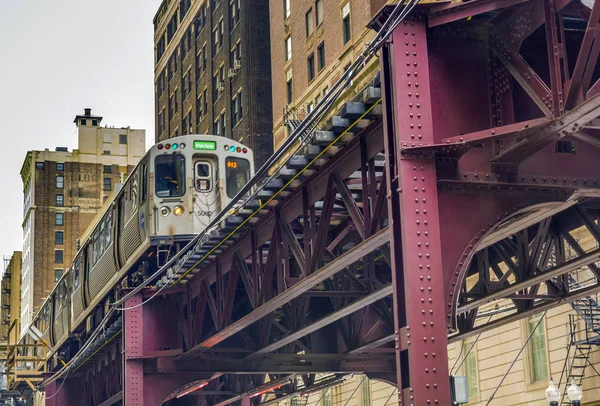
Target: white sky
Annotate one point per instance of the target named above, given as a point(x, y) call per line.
point(58, 57)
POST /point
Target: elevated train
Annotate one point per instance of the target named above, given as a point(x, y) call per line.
point(173, 193)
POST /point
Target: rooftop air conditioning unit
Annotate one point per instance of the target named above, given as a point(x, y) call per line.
point(220, 86)
point(237, 64)
point(231, 72)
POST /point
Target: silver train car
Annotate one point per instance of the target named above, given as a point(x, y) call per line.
point(173, 193)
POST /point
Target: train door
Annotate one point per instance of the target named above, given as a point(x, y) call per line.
point(206, 191)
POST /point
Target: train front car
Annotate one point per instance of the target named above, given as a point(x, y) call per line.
point(193, 177)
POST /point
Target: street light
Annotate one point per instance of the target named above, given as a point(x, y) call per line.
point(552, 394)
point(574, 393)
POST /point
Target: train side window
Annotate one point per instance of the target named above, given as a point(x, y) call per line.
point(95, 244)
point(144, 181)
point(203, 176)
point(101, 240)
point(170, 175)
point(76, 270)
point(107, 235)
point(237, 175)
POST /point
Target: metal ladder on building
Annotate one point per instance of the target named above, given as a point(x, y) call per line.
point(578, 350)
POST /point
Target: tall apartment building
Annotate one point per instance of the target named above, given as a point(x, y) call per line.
point(63, 190)
point(213, 70)
point(10, 298)
point(312, 43)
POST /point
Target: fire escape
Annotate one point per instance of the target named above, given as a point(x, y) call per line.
point(584, 334)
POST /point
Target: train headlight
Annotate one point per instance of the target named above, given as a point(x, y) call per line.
point(178, 210)
point(164, 211)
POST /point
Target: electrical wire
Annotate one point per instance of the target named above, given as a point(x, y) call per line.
point(516, 358)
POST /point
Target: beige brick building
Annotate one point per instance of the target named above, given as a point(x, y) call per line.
point(312, 43)
point(63, 190)
point(11, 299)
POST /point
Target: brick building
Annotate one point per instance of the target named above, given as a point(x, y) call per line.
point(11, 298)
point(312, 43)
point(213, 71)
point(63, 190)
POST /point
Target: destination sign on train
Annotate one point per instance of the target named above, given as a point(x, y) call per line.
point(205, 145)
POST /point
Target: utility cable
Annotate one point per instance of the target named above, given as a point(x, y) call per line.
point(516, 358)
point(468, 352)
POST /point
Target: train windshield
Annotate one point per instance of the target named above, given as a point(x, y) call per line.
point(237, 174)
point(170, 175)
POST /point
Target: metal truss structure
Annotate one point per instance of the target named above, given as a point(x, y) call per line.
point(442, 202)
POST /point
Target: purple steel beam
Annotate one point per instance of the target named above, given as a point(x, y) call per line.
point(303, 286)
point(567, 267)
point(533, 85)
point(551, 303)
point(417, 274)
point(570, 122)
point(516, 129)
point(455, 11)
point(577, 87)
point(316, 325)
point(556, 54)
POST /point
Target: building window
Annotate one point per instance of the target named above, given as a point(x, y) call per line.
point(310, 63)
point(60, 182)
point(216, 86)
point(310, 23)
point(288, 48)
point(161, 121)
point(327, 398)
point(59, 219)
point(200, 21)
point(319, 12)
point(39, 165)
point(122, 138)
point(321, 56)
point(107, 169)
point(199, 110)
point(83, 121)
point(366, 392)
point(538, 361)
point(346, 29)
point(60, 200)
point(204, 58)
point(58, 256)
point(216, 127)
point(286, 9)
point(234, 7)
point(95, 123)
point(236, 109)
point(107, 138)
point(60, 166)
point(58, 238)
point(222, 124)
point(57, 274)
point(289, 91)
point(471, 367)
point(107, 184)
point(106, 152)
point(205, 97)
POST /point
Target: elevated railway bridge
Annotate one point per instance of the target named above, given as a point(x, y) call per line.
point(451, 185)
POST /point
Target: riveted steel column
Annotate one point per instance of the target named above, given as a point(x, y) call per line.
point(133, 345)
point(421, 343)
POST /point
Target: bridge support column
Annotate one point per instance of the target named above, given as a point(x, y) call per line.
point(133, 345)
point(146, 330)
point(420, 325)
point(67, 394)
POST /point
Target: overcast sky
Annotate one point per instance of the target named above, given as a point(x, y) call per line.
point(57, 58)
